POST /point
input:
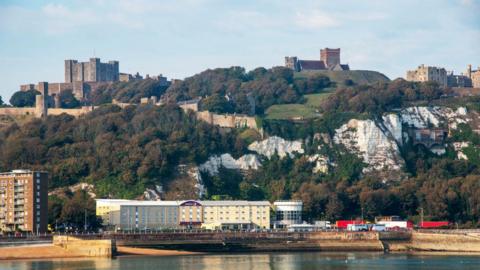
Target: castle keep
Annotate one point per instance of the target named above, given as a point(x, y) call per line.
point(80, 77)
point(92, 71)
point(329, 60)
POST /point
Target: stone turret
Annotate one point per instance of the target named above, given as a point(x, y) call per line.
point(40, 106)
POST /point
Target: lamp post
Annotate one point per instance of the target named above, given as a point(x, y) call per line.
point(421, 217)
point(85, 221)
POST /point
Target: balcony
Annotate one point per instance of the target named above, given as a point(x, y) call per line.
point(19, 202)
point(19, 209)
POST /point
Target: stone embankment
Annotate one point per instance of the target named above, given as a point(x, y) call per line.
point(62, 247)
point(189, 243)
point(437, 242)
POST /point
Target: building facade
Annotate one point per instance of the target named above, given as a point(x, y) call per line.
point(236, 215)
point(329, 60)
point(474, 76)
point(127, 215)
point(287, 213)
point(91, 71)
point(24, 201)
point(425, 73)
point(153, 215)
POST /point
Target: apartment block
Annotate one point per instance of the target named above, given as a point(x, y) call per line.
point(24, 201)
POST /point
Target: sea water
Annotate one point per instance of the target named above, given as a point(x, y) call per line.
point(259, 261)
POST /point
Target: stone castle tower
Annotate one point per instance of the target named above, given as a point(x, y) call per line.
point(292, 63)
point(331, 57)
point(92, 71)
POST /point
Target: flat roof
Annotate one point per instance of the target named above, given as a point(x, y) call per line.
point(234, 203)
point(21, 171)
point(123, 202)
point(204, 203)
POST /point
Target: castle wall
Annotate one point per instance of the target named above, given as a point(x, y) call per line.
point(18, 111)
point(227, 120)
point(189, 106)
point(74, 112)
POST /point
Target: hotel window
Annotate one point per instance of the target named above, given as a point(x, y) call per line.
point(38, 200)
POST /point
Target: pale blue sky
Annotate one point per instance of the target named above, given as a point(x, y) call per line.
point(180, 38)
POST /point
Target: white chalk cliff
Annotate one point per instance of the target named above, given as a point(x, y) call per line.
point(423, 117)
point(245, 162)
point(375, 147)
point(274, 144)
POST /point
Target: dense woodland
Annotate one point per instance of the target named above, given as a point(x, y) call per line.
point(124, 151)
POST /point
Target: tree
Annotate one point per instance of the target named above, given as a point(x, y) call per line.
point(217, 104)
point(24, 98)
point(78, 209)
point(1, 101)
point(68, 100)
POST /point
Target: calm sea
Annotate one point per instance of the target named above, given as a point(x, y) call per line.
point(287, 261)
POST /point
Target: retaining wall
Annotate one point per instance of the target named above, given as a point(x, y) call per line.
point(86, 248)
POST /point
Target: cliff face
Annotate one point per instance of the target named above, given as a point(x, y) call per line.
point(424, 117)
point(277, 145)
point(245, 162)
point(377, 142)
point(372, 144)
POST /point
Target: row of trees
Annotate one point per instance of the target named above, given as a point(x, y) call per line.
point(27, 99)
point(381, 97)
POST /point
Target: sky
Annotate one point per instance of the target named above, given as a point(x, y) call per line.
point(180, 38)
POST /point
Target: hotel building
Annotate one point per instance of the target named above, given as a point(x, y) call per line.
point(138, 215)
point(132, 215)
point(23, 201)
point(236, 215)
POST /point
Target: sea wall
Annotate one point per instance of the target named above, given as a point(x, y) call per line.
point(85, 248)
point(436, 242)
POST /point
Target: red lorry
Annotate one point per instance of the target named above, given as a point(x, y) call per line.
point(433, 224)
point(343, 224)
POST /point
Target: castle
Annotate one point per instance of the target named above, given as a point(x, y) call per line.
point(329, 60)
point(80, 77)
point(92, 71)
point(424, 73)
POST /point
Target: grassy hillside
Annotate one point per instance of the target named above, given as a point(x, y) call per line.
point(357, 76)
point(295, 111)
point(308, 109)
